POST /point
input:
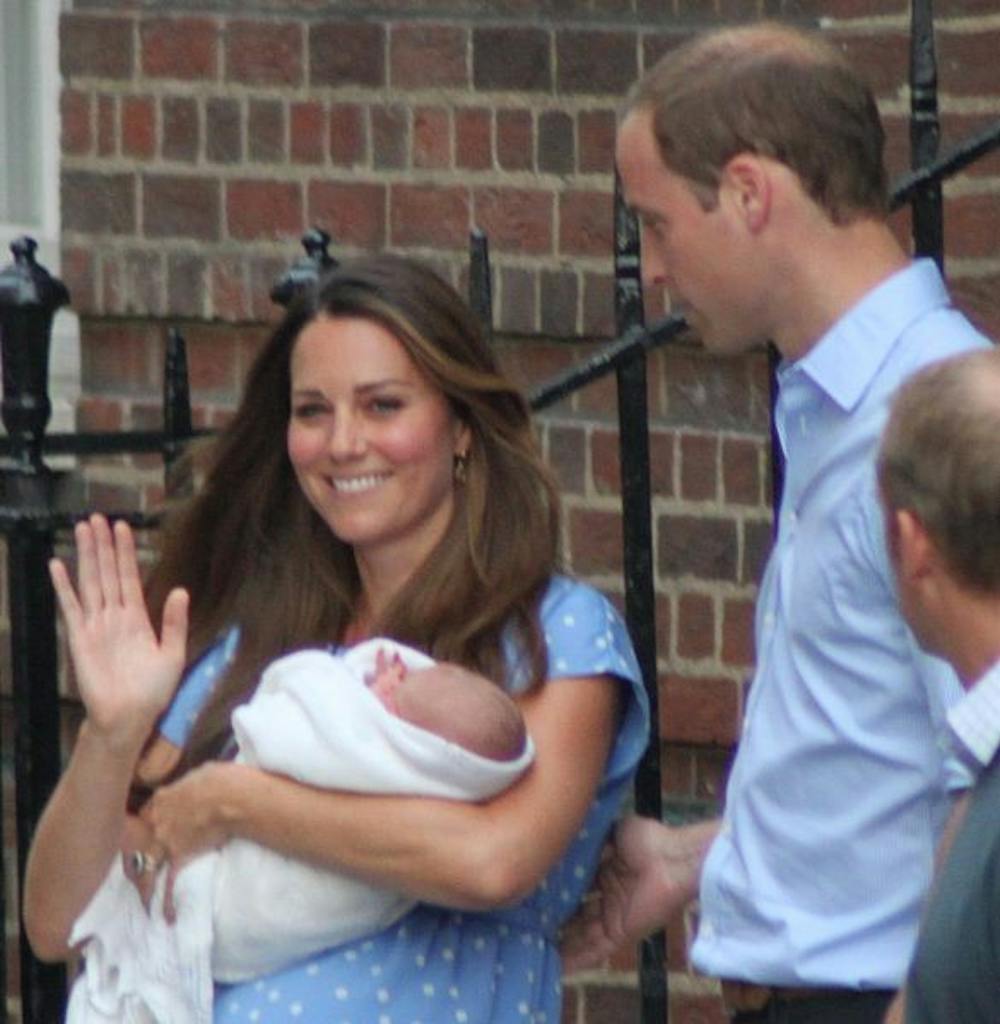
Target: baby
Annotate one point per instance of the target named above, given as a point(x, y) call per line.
point(379, 718)
point(450, 701)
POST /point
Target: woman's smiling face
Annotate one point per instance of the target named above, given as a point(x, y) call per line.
point(371, 439)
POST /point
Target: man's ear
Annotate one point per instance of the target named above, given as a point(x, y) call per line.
point(748, 186)
point(911, 546)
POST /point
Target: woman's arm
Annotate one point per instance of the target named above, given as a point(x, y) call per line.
point(472, 856)
point(79, 833)
point(125, 675)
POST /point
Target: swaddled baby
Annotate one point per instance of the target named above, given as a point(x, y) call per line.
point(379, 718)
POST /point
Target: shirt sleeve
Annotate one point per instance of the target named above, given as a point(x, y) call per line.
point(195, 688)
point(936, 676)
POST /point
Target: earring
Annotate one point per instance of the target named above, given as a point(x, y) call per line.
point(460, 465)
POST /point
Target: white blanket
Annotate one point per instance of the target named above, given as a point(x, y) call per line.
point(245, 910)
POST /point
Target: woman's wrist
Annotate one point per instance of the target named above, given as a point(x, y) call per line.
point(233, 798)
point(119, 747)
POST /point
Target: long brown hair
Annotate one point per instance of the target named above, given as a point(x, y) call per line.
point(253, 553)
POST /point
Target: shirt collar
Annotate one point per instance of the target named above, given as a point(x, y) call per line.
point(975, 719)
point(845, 359)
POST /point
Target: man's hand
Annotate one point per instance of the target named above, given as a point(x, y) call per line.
point(896, 1013)
point(650, 872)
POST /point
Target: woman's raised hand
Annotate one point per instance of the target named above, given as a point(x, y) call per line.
point(125, 673)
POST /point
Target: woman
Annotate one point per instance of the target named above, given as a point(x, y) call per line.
point(380, 477)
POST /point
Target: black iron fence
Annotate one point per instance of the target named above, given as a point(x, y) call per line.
point(36, 502)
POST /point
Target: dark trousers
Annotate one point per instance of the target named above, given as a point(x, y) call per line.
point(848, 1008)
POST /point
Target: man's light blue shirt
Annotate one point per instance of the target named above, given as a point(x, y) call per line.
point(841, 784)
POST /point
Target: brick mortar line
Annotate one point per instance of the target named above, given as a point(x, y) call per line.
point(682, 23)
point(724, 433)
point(948, 103)
point(967, 24)
point(947, 23)
point(286, 247)
point(120, 473)
point(594, 500)
point(706, 668)
point(456, 96)
point(304, 173)
point(973, 269)
point(715, 510)
point(175, 245)
point(966, 185)
point(723, 589)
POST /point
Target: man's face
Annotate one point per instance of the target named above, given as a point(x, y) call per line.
point(697, 254)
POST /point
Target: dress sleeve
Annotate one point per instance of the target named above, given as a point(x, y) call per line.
point(195, 688)
point(586, 636)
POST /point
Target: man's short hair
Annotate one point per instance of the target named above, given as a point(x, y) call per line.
point(940, 459)
point(775, 91)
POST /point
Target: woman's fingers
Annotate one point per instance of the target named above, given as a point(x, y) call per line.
point(169, 903)
point(142, 867)
point(107, 566)
point(69, 604)
point(88, 574)
point(173, 632)
point(107, 561)
point(127, 565)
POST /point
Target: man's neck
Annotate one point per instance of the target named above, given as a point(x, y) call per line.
point(824, 280)
point(974, 636)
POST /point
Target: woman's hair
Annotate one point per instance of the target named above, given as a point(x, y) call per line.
point(253, 553)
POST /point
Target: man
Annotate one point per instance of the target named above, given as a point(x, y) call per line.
point(939, 472)
point(753, 159)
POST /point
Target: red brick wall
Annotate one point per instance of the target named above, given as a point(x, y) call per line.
point(201, 140)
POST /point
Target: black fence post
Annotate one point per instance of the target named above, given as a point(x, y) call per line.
point(37, 760)
point(480, 286)
point(177, 426)
point(777, 455)
point(925, 132)
point(640, 596)
point(29, 298)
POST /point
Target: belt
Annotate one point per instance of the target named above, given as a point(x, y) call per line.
point(748, 996)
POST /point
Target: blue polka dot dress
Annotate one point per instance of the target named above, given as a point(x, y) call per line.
point(439, 966)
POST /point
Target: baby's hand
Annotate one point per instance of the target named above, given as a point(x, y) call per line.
point(388, 675)
point(388, 671)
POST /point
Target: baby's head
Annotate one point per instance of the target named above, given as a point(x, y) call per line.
point(455, 704)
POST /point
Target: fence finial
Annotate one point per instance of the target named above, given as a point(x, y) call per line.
point(306, 271)
point(29, 298)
